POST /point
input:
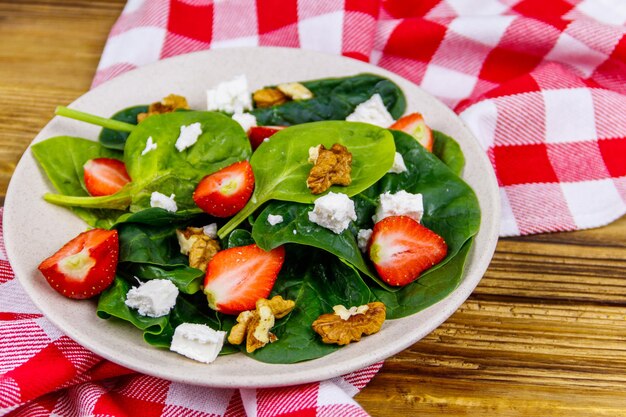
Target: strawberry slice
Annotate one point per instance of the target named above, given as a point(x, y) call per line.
point(401, 249)
point(85, 266)
point(225, 192)
point(257, 134)
point(414, 125)
point(237, 277)
point(105, 176)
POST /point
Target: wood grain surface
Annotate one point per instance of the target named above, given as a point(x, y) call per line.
point(544, 334)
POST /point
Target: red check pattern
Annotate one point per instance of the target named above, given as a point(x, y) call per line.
point(45, 373)
point(541, 84)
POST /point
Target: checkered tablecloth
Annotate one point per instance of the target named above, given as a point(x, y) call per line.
point(541, 83)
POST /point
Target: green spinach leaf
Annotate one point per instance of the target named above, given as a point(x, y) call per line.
point(166, 170)
point(239, 237)
point(448, 151)
point(158, 331)
point(116, 139)
point(281, 165)
point(334, 99)
point(451, 208)
point(188, 280)
point(149, 248)
point(297, 228)
point(62, 159)
point(111, 304)
point(316, 281)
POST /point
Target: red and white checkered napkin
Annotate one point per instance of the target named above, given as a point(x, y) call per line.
point(542, 84)
point(45, 373)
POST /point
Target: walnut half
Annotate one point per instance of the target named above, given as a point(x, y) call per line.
point(254, 326)
point(200, 247)
point(167, 105)
point(332, 167)
point(268, 97)
point(282, 93)
point(348, 325)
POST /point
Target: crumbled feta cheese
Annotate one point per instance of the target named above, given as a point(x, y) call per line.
point(363, 238)
point(185, 243)
point(197, 341)
point(398, 166)
point(150, 145)
point(154, 298)
point(230, 96)
point(246, 120)
point(346, 313)
point(314, 153)
point(295, 91)
point(162, 201)
point(188, 136)
point(372, 111)
point(333, 211)
point(210, 230)
point(399, 204)
point(295, 232)
point(274, 219)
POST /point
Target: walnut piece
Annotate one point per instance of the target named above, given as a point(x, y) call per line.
point(268, 97)
point(238, 332)
point(334, 329)
point(332, 167)
point(167, 105)
point(254, 325)
point(295, 91)
point(279, 306)
point(200, 247)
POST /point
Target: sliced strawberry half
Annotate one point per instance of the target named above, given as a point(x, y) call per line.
point(85, 266)
point(414, 125)
point(225, 192)
point(401, 249)
point(237, 277)
point(105, 176)
point(257, 134)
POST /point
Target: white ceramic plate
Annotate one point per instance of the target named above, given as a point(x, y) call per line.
point(35, 229)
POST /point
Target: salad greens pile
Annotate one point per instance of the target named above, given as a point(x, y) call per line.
point(321, 268)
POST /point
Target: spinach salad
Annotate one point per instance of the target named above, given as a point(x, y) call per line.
point(321, 268)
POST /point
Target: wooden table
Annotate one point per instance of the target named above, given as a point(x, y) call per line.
point(544, 334)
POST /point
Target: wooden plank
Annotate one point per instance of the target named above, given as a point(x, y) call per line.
point(503, 359)
point(416, 395)
point(587, 265)
point(49, 54)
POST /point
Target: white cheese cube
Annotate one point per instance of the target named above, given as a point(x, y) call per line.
point(150, 145)
point(363, 238)
point(274, 219)
point(197, 341)
point(246, 120)
point(314, 153)
point(230, 96)
point(154, 298)
point(210, 230)
point(398, 166)
point(399, 204)
point(372, 111)
point(333, 211)
point(162, 201)
point(188, 136)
